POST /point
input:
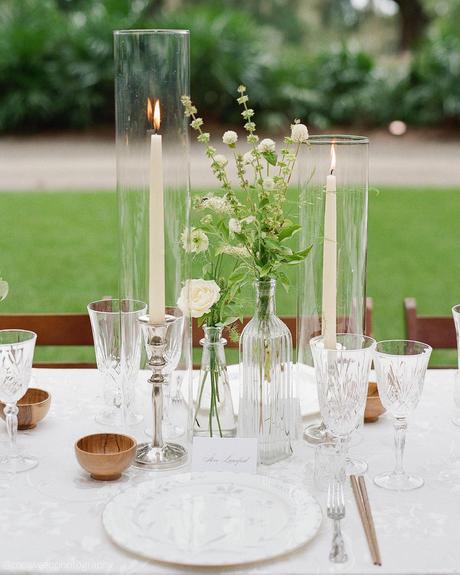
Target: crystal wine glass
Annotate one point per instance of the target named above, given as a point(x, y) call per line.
point(456, 316)
point(343, 375)
point(400, 366)
point(16, 355)
point(117, 343)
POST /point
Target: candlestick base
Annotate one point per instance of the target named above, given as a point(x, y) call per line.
point(162, 344)
point(168, 456)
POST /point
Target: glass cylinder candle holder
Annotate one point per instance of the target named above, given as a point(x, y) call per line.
point(152, 151)
point(333, 206)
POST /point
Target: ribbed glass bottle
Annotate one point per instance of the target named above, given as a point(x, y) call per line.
point(267, 409)
point(214, 414)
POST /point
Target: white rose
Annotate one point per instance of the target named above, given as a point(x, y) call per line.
point(230, 137)
point(198, 296)
point(220, 160)
point(248, 158)
point(269, 184)
point(266, 145)
point(3, 289)
point(299, 133)
point(195, 241)
point(234, 226)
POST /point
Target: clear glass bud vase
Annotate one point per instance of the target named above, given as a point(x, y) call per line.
point(267, 409)
point(214, 413)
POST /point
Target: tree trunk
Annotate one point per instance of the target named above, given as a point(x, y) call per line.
point(413, 21)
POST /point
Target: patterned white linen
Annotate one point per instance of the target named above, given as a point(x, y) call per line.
point(50, 517)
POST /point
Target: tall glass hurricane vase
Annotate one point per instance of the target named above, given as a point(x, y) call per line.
point(267, 409)
point(345, 160)
point(152, 143)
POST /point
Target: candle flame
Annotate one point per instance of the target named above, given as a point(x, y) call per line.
point(333, 158)
point(153, 113)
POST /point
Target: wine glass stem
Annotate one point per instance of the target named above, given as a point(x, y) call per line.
point(342, 447)
point(400, 426)
point(157, 405)
point(11, 418)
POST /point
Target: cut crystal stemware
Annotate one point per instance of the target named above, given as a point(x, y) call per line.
point(400, 366)
point(16, 355)
point(343, 375)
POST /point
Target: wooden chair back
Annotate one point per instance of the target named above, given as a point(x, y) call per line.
point(70, 329)
point(290, 321)
point(437, 331)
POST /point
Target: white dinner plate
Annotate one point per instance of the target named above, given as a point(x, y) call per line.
point(304, 382)
point(212, 519)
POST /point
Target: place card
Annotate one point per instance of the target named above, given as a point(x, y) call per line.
point(235, 454)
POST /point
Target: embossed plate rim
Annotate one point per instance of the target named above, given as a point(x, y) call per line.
point(307, 518)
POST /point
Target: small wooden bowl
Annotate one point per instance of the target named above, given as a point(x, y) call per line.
point(33, 407)
point(374, 408)
point(105, 455)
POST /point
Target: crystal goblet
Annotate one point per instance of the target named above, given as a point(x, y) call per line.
point(400, 367)
point(117, 343)
point(343, 375)
point(456, 316)
point(16, 355)
point(456, 416)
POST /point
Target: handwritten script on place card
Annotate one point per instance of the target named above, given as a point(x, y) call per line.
point(235, 454)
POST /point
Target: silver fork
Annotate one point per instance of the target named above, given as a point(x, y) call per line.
point(336, 512)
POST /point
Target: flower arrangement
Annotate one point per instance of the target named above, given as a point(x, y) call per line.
point(257, 228)
point(244, 226)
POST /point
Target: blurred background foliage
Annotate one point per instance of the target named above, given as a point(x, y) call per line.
point(386, 59)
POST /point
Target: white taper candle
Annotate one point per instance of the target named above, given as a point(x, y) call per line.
point(156, 226)
point(330, 260)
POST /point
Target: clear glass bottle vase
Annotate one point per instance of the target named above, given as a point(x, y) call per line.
point(267, 405)
point(214, 414)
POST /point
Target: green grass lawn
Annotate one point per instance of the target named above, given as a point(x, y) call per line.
point(58, 251)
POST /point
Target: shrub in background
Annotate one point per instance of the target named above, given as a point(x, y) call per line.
point(56, 66)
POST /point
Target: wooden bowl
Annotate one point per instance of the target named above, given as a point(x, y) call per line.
point(374, 408)
point(105, 455)
point(33, 407)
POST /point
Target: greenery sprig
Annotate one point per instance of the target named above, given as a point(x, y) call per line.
point(257, 230)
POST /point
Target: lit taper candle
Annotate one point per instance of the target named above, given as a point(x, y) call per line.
point(156, 219)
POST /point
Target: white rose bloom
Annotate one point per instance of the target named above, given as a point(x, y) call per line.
point(221, 160)
point(269, 184)
point(234, 225)
point(266, 145)
point(3, 289)
point(195, 241)
point(230, 137)
point(248, 158)
point(198, 296)
point(299, 133)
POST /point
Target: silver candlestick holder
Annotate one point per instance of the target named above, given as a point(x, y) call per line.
point(163, 343)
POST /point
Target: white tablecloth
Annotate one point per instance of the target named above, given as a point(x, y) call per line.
point(50, 517)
